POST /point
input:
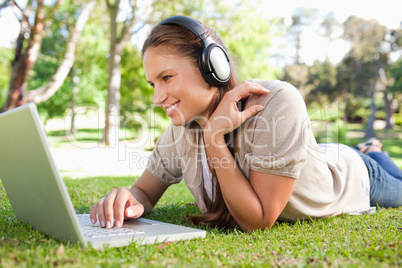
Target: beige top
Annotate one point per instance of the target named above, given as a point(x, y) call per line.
point(278, 140)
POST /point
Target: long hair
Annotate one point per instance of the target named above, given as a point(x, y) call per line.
point(178, 40)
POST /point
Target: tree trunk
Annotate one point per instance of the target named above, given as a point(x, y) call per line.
point(112, 118)
point(117, 44)
point(298, 48)
point(346, 101)
point(389, 109)
point(24, 60)
point(112, 124)
point(73, 129)
point(370, 124)
point(388, 99)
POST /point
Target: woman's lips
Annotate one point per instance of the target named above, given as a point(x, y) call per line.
point(170, 110)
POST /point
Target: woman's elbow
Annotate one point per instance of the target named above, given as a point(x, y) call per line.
point(264, 225)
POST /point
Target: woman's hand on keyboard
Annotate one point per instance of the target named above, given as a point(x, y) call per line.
point(117, 205)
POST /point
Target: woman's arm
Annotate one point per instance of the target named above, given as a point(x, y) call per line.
point(123, 203)
point(255, 204)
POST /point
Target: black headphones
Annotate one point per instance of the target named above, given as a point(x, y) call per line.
point(213, 61)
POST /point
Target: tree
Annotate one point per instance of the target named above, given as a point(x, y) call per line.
point(301, 17)
point(329, 28)
point(247, 36)
point(394, 88)
point(297, 75)
point(359, 70)
point(90, 67)
point(119, 36)
point(27, 51)
point(394, 40)
point(322, 78)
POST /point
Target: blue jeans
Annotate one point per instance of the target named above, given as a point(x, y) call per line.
point(385, 179)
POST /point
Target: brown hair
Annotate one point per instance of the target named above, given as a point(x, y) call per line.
point(178, 40)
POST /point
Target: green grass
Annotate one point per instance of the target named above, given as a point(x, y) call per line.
point(369, 240)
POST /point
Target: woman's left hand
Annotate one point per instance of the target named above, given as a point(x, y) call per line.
point(227, 116)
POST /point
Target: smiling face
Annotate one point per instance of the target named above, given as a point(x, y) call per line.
point(178, 86)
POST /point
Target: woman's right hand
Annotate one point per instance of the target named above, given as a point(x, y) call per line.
point(117, 205)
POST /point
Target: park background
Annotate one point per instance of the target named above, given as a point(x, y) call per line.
point(80, 62)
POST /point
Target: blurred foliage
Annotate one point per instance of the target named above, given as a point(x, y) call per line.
point(248, 35)
point(396, 74)
point(358, 73)
point(90, 66)
point(137, 106)
point(351, 82)
point(339, 131)
point(322, 78)
point(6, 56)
point(297, 75)
point(241, 26)
point(398, 119)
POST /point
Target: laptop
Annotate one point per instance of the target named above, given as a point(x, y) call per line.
point(39, 196)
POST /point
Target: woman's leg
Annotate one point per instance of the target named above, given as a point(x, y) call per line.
point(386, 162)
point(385, 189)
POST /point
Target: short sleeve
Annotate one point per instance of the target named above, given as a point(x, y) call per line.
point(164, 161)
point(278, 135)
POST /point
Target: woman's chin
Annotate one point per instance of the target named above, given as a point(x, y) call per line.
point(178, 123)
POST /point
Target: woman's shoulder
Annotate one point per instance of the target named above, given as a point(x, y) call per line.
point(284, 94)
point(276, 85)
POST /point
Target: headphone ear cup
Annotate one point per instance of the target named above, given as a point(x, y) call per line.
point(214, 65)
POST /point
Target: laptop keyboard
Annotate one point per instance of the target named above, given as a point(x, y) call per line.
point(95, 231)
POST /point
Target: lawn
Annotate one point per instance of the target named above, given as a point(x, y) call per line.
point(369, 240)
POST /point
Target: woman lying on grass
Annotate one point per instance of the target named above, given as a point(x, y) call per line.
point(245, 150)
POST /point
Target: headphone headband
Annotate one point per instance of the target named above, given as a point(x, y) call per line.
point(213, 61)
point(190, 24)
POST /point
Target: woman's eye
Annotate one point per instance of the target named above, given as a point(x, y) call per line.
point(166, 77)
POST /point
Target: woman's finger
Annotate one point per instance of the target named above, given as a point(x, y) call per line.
point(124, 200)
point(99, 211)
point(249, 112)
point(108, 206)
point(246, 88)
point(93, 214)
point(134, 211)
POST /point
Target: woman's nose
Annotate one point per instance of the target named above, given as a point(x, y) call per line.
point(159, 96)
